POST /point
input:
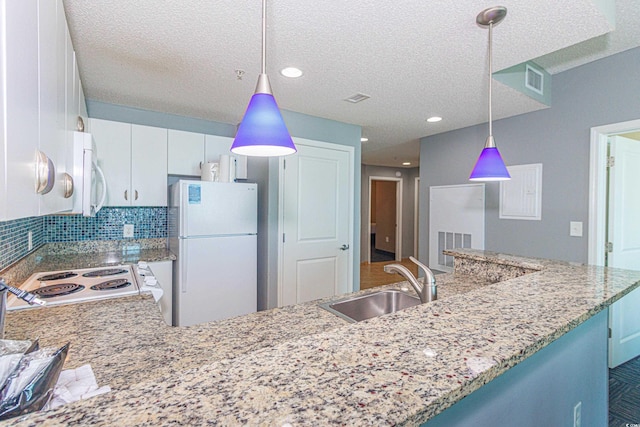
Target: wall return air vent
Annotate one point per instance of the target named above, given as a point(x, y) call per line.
point(534, 80)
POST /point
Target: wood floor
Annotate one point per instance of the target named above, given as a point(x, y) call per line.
point(372, 275)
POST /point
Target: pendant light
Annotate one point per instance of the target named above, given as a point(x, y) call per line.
point(490, 166)
point(262, 131)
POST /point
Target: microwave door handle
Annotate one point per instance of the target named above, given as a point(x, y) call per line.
point(103, 181)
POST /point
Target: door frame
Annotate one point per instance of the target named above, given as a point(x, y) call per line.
point(416, 215)
point(598, 187)
point(281, 160)
point(399, 183)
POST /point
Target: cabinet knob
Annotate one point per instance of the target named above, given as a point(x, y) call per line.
point(136, 196)
point(126, 195)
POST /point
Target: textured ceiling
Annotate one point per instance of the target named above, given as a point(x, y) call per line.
point(413, 58)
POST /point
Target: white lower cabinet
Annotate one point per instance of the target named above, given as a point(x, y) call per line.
point(163, 272)
point(134, 161)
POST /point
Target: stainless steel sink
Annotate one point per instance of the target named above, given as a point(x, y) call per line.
point(357, 309)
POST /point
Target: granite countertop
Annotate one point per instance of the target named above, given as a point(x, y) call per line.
point(304, 366)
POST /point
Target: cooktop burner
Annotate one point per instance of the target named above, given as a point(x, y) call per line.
point(111, 284)
point(78, 285)
point(105, 273)
point(57, 290)
point(57, 276)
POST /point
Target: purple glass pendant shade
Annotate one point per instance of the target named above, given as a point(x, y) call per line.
point(262, 131)
point(490, 166)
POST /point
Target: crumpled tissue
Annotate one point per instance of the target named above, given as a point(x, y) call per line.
point(75, 384)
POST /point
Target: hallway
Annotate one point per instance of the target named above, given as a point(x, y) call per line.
point(372, 275)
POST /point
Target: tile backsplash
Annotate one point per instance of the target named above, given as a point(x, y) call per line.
point(14, 238)
point(148, 223)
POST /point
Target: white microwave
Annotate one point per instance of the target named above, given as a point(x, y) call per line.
point(90, 186)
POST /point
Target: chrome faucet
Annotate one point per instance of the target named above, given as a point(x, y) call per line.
point(427, 291)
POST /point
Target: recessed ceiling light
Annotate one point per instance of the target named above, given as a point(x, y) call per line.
point(434, 119)
point(292, 72)
point(364, 139)
point(406, 163)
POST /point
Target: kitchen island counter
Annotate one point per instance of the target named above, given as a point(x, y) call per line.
point(302, 365)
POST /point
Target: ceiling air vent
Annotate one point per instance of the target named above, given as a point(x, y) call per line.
point(534, 80)
point(354, 99)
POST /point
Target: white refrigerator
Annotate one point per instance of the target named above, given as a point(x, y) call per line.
point(213, 232)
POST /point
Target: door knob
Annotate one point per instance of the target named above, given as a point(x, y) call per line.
point(344, 247)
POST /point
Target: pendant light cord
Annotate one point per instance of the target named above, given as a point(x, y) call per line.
point(264, 37)
point(490, 77)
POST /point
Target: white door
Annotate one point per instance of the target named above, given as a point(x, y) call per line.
point(316, 220)
point(456, 220)
point(624, 234)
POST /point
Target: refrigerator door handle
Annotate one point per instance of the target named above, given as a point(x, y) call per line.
point(184, 269)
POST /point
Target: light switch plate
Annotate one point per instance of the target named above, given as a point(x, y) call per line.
point(575, 228)
point(127, 230)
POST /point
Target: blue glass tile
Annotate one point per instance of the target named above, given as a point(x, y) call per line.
point(148, 222)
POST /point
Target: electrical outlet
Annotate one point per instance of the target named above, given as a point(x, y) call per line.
point(30, 240)
point(577, 415)
point(575, 228)
point(386, 239)
point(128, 230)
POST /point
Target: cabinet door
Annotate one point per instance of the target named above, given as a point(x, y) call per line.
point(71, 89)
point(163, 272)
point(21, 107)
point(113, 142)
point(82, 107)
point(51, 141)
point(185, 152)
point(148, 166)
point(61, 66)
point(216, 145)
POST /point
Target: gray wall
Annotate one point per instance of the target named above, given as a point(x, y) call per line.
point(602, 92)
point(408, 184)
point(543, 389)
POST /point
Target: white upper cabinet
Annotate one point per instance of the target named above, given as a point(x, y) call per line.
point(113, 145)
point(186, 152)
point(42, 93)
point(20, 130)
point(149, 166)
point(134, 161)
point(216, 145)
point(53, 42)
